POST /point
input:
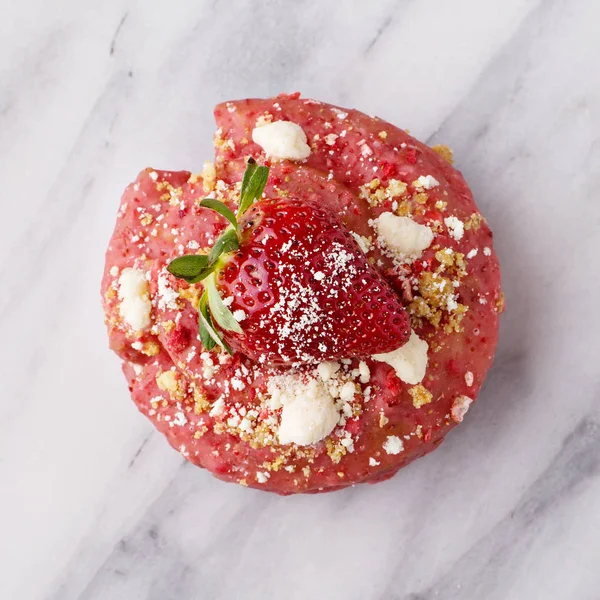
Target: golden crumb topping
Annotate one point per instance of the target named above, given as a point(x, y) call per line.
point(173, 195)
point(209, 177)
point(170, 382)
point(474, 222)
point(375, 193)
point(420, 395)
point(150, 348)
point(500, 303)
point(445, 152)
point(201, 404)
point(335, 450)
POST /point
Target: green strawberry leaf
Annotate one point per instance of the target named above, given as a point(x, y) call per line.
point(208, 335)
point(221, 314)
point(222, 209)
point(227, 242)
point(206, 330)
point(251, 166)
point(254, 188)
point(188, 267)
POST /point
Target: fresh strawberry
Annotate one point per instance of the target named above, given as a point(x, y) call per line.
point(287, 283)
point(304, 291)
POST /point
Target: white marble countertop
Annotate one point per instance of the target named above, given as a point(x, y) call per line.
point(94, 504)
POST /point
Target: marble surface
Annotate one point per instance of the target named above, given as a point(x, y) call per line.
point(94, 504)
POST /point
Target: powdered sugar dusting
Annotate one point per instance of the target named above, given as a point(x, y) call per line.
point(167, 296)
point(298, 312)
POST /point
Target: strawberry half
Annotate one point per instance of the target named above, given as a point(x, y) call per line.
point(291, 285)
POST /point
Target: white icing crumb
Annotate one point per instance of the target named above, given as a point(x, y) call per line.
point(237, 384)
point(487, 251)
point(309, 413)
point(180, 419)
point(347, 392)
point(327, 370)
point(425, 182)
point(365, 149)
point(135, 303)
point(451, 303)
point(456, 228)
point(319, 276)
point(459, 409)
point(217, 408)
point(114, 271)
point(245, 425)
point(282, 139)
point(167, 296)
point(373, 462)
point(208, 366)
point(409, 361)
point(347, 441)
point(472, 253)
point(393, 445)
point(364, 371)
point(262, 476)
point(404, 238)
point(239, 315)
point(363, 242)
point(469, 378)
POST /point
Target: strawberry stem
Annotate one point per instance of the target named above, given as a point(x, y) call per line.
point(195, 267)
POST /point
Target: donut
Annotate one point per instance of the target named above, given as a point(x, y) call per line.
point(300, 425)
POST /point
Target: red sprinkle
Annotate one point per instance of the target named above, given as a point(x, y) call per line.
point(393, 389)
point(353, 426)
point(433, 215)
point(388, 169)
point(453, 367)
point(179, 338)
point(421, 265)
